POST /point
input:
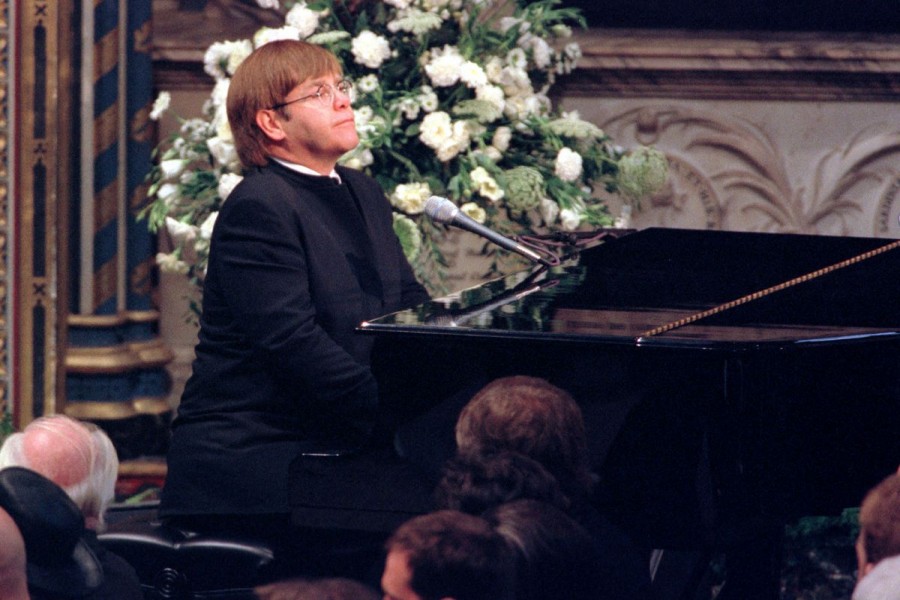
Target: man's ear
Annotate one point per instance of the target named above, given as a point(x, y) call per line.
point(269, 124)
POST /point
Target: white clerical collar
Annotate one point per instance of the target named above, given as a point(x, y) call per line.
point(305, 170)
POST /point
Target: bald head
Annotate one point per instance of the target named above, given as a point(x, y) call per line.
point(58, 448)
point(77, 456)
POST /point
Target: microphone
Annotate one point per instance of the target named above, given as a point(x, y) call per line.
point(442, 210)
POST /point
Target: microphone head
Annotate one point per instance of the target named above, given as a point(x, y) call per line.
point(440, 210)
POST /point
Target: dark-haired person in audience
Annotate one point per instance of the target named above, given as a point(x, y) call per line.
point(447, 555)
point(879, 535)
point(332, 588)
point(556, 558)
point(537, 419)
point(80, 458)
point(475, 482)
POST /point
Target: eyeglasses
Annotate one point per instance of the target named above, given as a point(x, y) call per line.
point(324, 94)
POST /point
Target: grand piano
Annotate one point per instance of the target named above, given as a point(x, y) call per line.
point(729, 381)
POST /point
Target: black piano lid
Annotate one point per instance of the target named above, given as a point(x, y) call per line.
point(684, 288)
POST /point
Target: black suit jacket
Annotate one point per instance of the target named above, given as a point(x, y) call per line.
point(296, 263)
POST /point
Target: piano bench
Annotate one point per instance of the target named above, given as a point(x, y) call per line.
point(172, 564)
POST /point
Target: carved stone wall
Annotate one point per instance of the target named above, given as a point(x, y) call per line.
point(791, 133)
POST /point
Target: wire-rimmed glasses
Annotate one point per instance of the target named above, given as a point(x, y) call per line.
point(324, 94)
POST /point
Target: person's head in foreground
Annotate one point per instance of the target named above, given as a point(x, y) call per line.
point(447, 555)
point(77, 456)
point(879, 526)
point(533, 417)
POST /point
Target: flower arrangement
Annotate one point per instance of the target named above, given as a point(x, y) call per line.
point(451, 98)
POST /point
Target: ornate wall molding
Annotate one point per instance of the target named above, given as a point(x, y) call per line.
point(737, 65)
point(727, 173)
point(764, 131)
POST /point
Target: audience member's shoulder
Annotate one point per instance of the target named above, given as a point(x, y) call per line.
point(881, 583)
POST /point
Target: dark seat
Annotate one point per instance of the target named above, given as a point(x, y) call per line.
point(178, 565)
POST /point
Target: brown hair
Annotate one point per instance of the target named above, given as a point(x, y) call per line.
point(262, 81)
point(879, 520)
point(452, 554)
point(531, 416)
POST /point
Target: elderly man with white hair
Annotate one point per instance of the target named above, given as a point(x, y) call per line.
point(80, 458)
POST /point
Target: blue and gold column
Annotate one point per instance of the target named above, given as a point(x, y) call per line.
point(115, 360)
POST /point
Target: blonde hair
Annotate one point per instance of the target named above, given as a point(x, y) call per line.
point(262, 81)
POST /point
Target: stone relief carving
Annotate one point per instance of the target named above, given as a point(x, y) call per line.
point(727, 173)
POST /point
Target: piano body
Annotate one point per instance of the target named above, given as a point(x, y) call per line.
point(728, 380)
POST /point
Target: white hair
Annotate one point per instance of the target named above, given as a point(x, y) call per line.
point(77, 456)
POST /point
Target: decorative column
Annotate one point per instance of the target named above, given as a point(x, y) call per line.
point(7, 92)
point(115, 360)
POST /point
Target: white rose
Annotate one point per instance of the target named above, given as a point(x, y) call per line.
point(501, 138)
point(487, 185)
point(411, 197)
point(370, 50)
point(436, 128)
point(363, 115)
point(306, 21)
point(428, 99)
point(268, 34)
point(169, 263)
point(507, 23)
point(268, 4)
point(492, 153)
point(160, 105)
point(517, 59)
point(410, 108)
point(456, 143)
point(515, 81)
point(358, 158)
point(172, 168)
point(220, 92)
point(549, 210)
point(569, 219)
point(223, 151)
point(492, 94)
point(238, 51)
point(206, 228)
point(227, 183)
point(181, 232)
point(472, 75)
point(169, 193)
point(368, 84)
point(474, 212)
point(220, 125)
point(445, 66)
point(568, 165)
point(541, 52)
point(494, 69)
